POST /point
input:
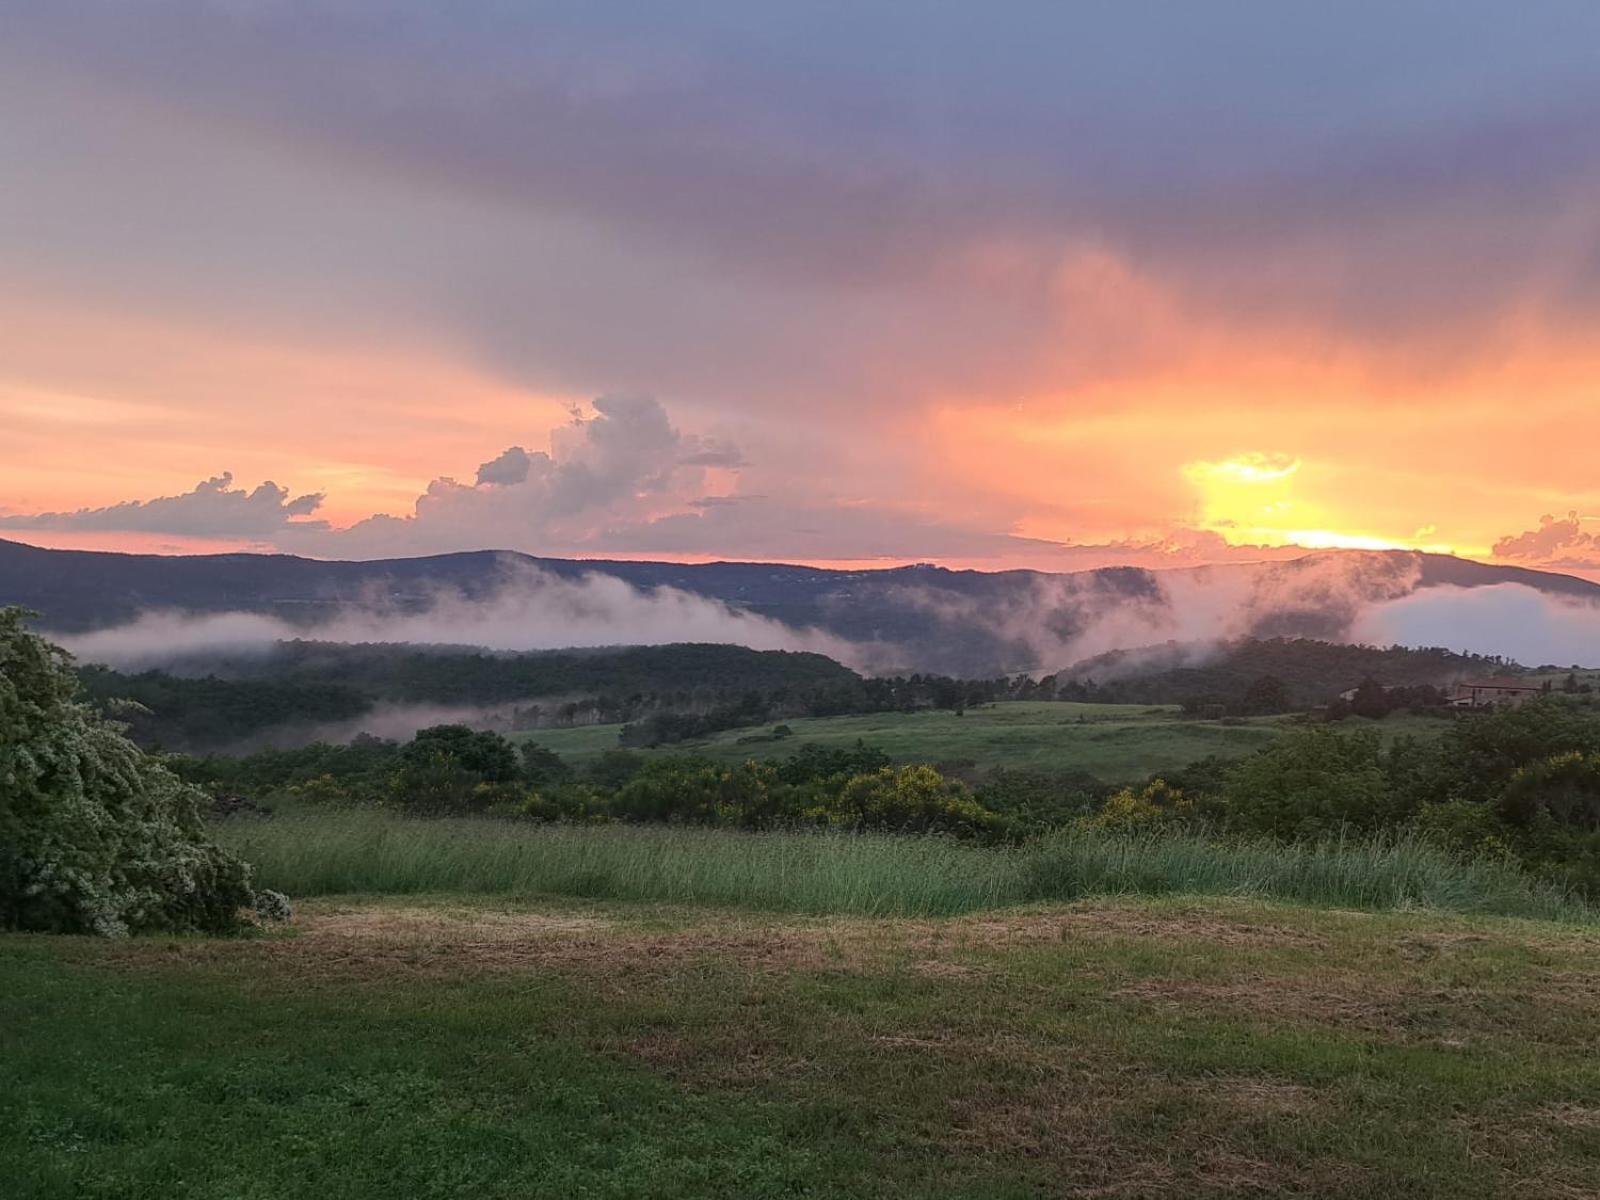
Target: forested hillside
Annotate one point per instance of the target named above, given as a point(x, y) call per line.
point(213, 701)
point(1310, 672)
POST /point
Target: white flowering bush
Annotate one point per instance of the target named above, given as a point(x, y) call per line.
point(96, 836)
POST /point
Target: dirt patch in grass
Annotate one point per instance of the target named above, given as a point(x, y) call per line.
point(729, 1057)
point(458, 925)
point(453, 943)
point(1571, 1116)
point(1092, 1132)
point(1413, 1010)
point(1256, 1096)
point(1422, 947)
point(1106, 923)
point(1538, 1147)
point(1362, 1003)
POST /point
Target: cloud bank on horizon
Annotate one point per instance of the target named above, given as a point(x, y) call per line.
point(1064, 285)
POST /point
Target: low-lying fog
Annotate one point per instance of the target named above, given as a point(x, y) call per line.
point(1052, 625)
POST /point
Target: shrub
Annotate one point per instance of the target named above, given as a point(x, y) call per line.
point(541, 765)
point(483, 753)
point(813, 763)
point(1473, 830)
point(1127, 811)
point(577, 802)
point(910, 800)
point(273, 906)
point(1480, 754)
point(1031, 801)
point(95, 835)
point(1311, 782)
point(696, 791)
point(1563, 787)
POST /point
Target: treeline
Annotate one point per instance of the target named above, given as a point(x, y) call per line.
point(458, 675)
point(1309, 672)
point(900, 693)
point(172, 712)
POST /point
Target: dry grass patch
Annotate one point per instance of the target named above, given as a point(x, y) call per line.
point(1128, 1133)
point(1262, 1097)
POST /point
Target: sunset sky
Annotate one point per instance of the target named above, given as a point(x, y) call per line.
point(1021, 284)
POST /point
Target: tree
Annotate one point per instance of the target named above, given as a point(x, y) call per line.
point(482, 753)
point(1564, 788)
point(96, 836)
point(1312, 781)
point(542, 765)
point(1371, 700)
point(1267, 695)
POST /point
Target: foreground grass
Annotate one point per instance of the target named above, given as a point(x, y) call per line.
point(327, 853)
point(435, 1047)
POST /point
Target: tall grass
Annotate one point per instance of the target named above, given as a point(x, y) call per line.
point(311, 854)
point(1395, 872)
point(317, 854)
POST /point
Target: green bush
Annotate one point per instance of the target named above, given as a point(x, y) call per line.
point(95, 835)
point(1312, 782)
point(695, 791)
point(483, 753)
point(1127, 811)
point(910, 800)
point(1564, 788)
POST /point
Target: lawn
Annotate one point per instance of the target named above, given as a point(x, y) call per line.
point(444, 1047)
point(1114, 742)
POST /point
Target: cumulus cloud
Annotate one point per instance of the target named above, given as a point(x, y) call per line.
point(1557, 542)
point(623, 465)
point(215, 508)
point(511, 465)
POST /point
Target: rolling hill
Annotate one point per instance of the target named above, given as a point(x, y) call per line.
point(918, 617)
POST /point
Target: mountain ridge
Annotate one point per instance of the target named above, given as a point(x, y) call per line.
point(956, 621)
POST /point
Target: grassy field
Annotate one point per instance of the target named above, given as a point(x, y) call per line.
point(1111, 741)
point(444, 1047)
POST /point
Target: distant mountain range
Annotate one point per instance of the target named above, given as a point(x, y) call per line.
point(917, 617)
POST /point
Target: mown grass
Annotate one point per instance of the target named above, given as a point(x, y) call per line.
point(1114, 742)
point(331, 853)
point(437, 1047)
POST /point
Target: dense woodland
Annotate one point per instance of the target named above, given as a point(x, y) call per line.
point(665, 693)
